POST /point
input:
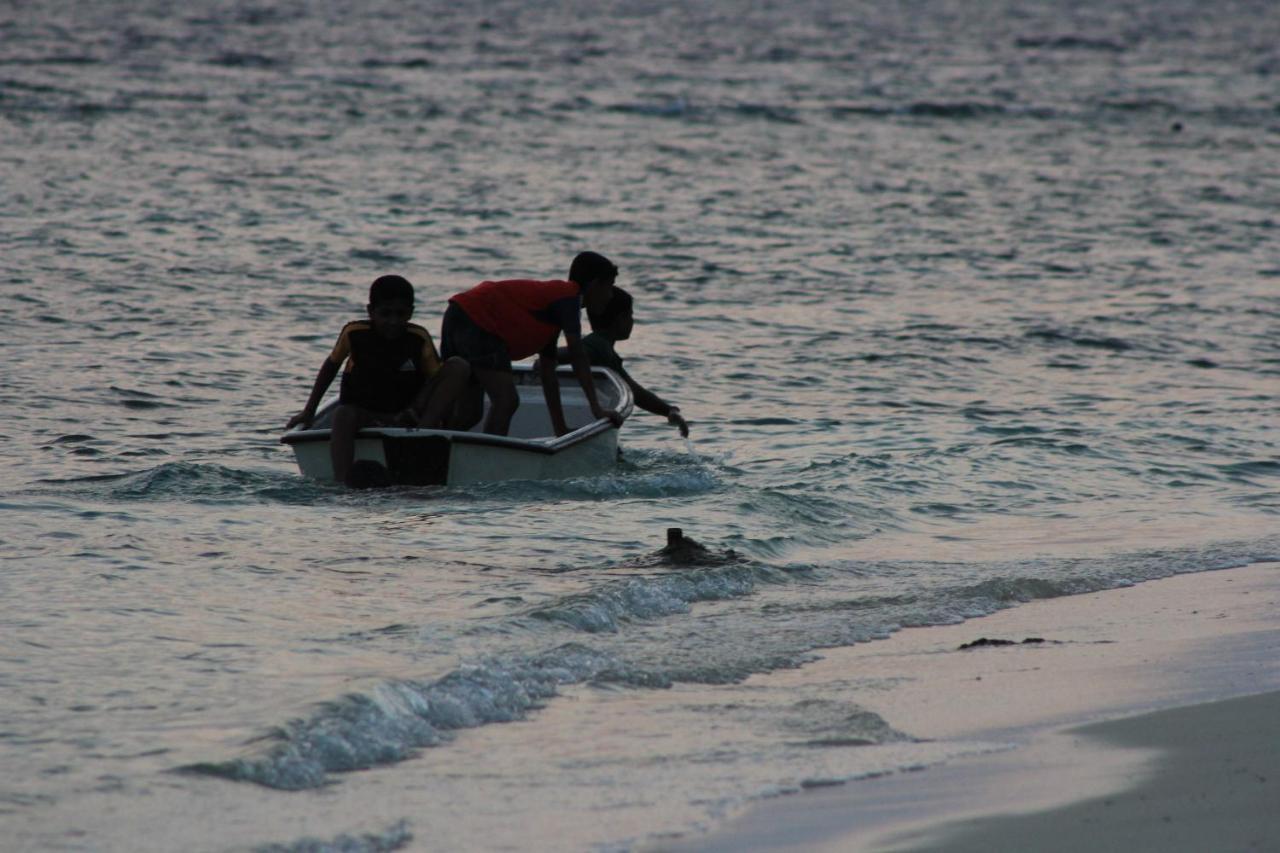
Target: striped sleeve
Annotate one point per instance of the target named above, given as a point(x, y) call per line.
point(342, 349)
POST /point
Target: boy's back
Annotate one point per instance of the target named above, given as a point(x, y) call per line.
point(601, 352)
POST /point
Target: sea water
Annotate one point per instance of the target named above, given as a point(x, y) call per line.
point(967, 304)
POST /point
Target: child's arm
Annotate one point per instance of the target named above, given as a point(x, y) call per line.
point(324, 379)
point(431, 366)
point(651, 402)
point(551, 389)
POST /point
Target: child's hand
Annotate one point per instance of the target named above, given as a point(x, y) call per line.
point(304, 417)
point(674, 418)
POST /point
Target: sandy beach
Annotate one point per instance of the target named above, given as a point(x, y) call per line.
point(1144, 718)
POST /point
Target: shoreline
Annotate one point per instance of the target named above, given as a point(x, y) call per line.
point(1080, 726)
point(1213, 784)
point(974, 725)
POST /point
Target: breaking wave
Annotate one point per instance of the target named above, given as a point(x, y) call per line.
point(398, 718)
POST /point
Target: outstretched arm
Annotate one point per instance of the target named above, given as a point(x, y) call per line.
point(651, 402)
point(324, 379)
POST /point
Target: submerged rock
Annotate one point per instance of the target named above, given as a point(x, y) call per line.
point(982, 642)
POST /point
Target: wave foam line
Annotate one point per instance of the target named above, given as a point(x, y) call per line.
point(394, 837)
point(605, 609)
point(400, 717)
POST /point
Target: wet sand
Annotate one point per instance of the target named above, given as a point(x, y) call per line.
point(1214, 785)
point(1146, 719)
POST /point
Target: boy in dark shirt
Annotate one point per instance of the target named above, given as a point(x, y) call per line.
point(393, 375)
point(611, 324)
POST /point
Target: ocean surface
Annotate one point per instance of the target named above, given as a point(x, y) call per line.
point(968, 304)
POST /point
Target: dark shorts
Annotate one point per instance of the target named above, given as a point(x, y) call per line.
point(459, 336)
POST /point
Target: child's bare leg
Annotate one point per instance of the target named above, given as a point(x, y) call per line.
point(347, 420)
point(469, 408)
point(447, 387)
point(500, 385)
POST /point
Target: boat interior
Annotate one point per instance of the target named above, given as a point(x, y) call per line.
point(531, 420)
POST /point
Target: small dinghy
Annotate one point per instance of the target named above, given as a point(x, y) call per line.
point(531, 451)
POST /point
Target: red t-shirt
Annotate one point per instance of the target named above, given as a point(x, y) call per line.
point(526, 315)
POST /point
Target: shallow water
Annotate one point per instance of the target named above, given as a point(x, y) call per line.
point(966, 307)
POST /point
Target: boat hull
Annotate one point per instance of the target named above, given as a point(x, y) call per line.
point(430, 458)
point(450, 458)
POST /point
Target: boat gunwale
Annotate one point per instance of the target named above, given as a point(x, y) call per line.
point(533, 445)
point(547, 445)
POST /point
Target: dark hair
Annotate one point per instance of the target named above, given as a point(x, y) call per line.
point(588, 266)
point(619, 305)
point(385, 288)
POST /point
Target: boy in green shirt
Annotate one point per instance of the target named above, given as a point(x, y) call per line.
point(609, 325)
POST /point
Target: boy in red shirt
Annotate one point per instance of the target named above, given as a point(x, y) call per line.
point(393, 376)
point(497, 322)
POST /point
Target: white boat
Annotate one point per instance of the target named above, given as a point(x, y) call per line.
point(531, 451)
